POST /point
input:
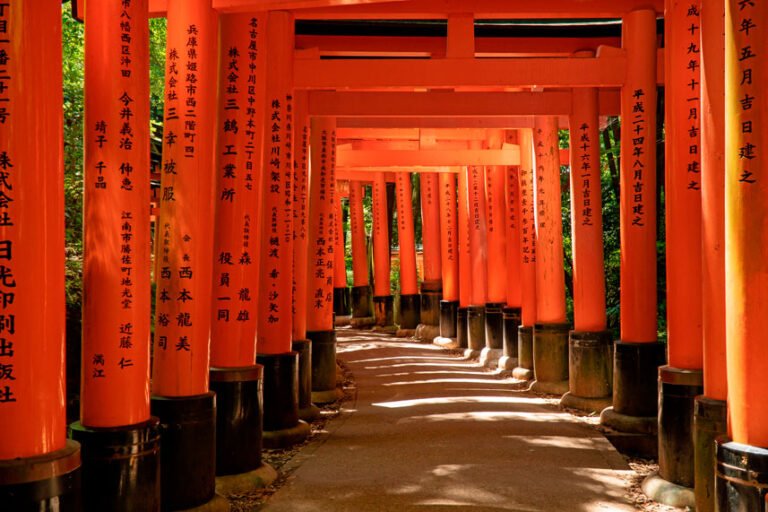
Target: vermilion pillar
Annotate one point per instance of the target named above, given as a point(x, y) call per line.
point(741, 463)
point(32, 395)
point(116, 268)
point(340, 290)
point(478, 256)
point(410, 299)
point(524, 370)
point(681, 380)
point(382, 298)
point(449, 252)
point(324, 208)
point(590, 352)
point(361, 289)
point(184, 260)
point(466, 278)
point(275, 319)
point(235, 378)
point(432, 285)
point(513, 286)
point(637, 355)
point(710, 413)
point(550, 335)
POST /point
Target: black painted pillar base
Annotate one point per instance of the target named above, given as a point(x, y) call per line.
point(511, 321)
point(341, 301)
point(282, 427)
point(431, 293)
point(710, 422)
point(550, 358)
point(121, 466)
point(462, 327)
point(239, 422)
point(410, 311)
point(188, 454)
point(524, 370)
point(361, 301)
point(741, 477)
point(384, 313)
point(307, 410)
point(494, 326)
point(46, 483)
point(590, 371)
point(323, 366)
point(476, 329)
point(449, 318)
point(635, 397)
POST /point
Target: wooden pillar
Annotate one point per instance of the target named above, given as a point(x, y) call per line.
point(478, 255)
point(466, 278)
point(513, 287)
point(638, 354)
point(590, 351)
point(32, 398)
point(431, 286)
point(710, 411)
point(409, 290)
point(550, 336)
point(495, 209)
point(361, 289)
point(382, 297)
point(449, 252)
point(184, 262)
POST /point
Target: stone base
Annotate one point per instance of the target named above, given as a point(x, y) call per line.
point(525, 347)
point(550, 354)
point(710, 419)
point(590, 365)
point(489, 357)
point(507, 363)
point(447, 343)
point(470, 353)
point(633, 435)
point(549, 387)
point(742, 474)
point(259, 478)
point(342, 321)
point(326, 397)
point(426, 332)
point(629, 424)
point(591, 405)
point(362, 322)
point(520, 373)
point(287, 437)
point(405, 333)
point(217, 504)
point(667, 493)
point(309, 414)
point(385, 329)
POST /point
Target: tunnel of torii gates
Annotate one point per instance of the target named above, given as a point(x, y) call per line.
point(268, 127)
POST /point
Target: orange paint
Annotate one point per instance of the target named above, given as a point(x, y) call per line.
point(638, 180)
point(449, 236)
point(322, 212)
point(550, 275)
point(430, 225)
point(116, 280)
point(712, 199)
point(527, 230)
point(275, 320)
point(300, 214)
point(466, 279)
point(586, 213)
point(32, 399)
point(477, 231)
point(357, 228)
point(339, 265)
point(513, 289)
point(746, 187)
point(184, 266)
point(381, 251)
point(408, 278)
point(496, 212)
point(683, 184)
point(235, 285)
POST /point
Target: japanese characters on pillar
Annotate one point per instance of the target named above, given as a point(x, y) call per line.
point(512, 228)
point(32, 398)
point(405, 234)
point(274, 328)
point(449, 236)
point(233, 322)
point(339, 264)
point(527, 230)
point(466, 279)
point(357, 228)
point(586, 213)
point(381, 251)
point(496, 213)
point(746, 268)
point(477, 234)
point(683, 183)
point(116, 305)
point(184, 267)
point(300, 214)
point(638, 180)
point(322, 230)
point(430, 225)
point(550, 275)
